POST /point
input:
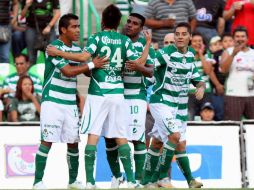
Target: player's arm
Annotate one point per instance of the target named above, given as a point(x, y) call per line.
point(71, 71)
point(143, 58)
point(146, 70)
point(78, 57)
point(198, 82)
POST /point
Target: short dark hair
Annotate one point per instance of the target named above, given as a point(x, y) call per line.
point(240, 29)
point(23, 55)
point(139, 16)
point(226, 34)
point(64, 21)
point(111, 17)
point(183, 24)
point(197, 34)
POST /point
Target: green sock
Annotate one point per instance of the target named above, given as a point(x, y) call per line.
point(156, 173)
point(184, 164)
point(166, 159)
point(40, 162)
point(90, 154)
point(152, 159)
point(112, 157)
point(73, 163)
point(139, 158)
point(124, 152)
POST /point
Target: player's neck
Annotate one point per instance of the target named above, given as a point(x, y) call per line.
point(134, 38)
point(109, 29)
point(65, 40)
point(182, 49)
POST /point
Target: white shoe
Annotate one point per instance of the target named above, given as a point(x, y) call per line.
point(132, 185)
point(90, 186)
point(151, 185)
point(76, 185)
point(39, 185)
point(165, 183)
point(115, 182)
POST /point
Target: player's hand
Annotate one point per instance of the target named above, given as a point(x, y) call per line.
point(148, 37)
point(132, 66)
point(99, 62)
point(199, 94)
point(29, 2)
point(52, 51)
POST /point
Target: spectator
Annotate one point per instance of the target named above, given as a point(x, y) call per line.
point(10, 82)
point(162, 16)
point(207, 112)
point(22, 64)
point(237, 61)
point(210, 21)
point(169, 39)
point(204, 69)
point(217, 78)
point(5, 24)
point(25, 106)
point(18, 42)
point(227, 40)
point(47, 12)
point(243, 13)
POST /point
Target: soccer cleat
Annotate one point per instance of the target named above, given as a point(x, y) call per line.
point(39, 185)
point(151, 185)
point(195, 184)
point(76, 185)
point(90, 186)
point(115, 182)
point(165, 183)
point(131, 185)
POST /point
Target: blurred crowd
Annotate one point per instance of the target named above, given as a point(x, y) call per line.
point(223, 38)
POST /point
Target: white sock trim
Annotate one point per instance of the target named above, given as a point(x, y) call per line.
point(112, 149)
point(72, 154)
point(153, 153)
point(180, 155)
point(42, 154)
point(140, 152)
point(168, 147)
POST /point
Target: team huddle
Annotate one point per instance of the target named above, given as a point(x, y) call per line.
point(116, 104)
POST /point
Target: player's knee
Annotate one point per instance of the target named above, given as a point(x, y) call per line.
point(156, 144)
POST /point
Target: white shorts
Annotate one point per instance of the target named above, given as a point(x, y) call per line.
point(105, 116)
point(59, 122)
point(164, 121)
point(136, 119)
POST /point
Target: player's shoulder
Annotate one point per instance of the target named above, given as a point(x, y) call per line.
point(191, 50)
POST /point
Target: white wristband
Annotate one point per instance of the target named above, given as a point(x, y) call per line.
point(90, 65)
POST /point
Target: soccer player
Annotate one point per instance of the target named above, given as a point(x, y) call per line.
point(59, 113)
point(168, 105)
point(105, 101)
point(135, 95)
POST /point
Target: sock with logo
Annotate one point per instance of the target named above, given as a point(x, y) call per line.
point(166, 159)
point(112, 157)
point(139, 158)
point(151, 161)
point(184, 164)
point(40, 162)
point(156, 173)
point(124, 152)
point(90, 154)
point(73, 163)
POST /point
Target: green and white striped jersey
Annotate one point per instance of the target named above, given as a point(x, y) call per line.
point(57, 87)
point(174, 74)
point(134, 82)
point(118, 48)
point(208, 87)
point(12, 80)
